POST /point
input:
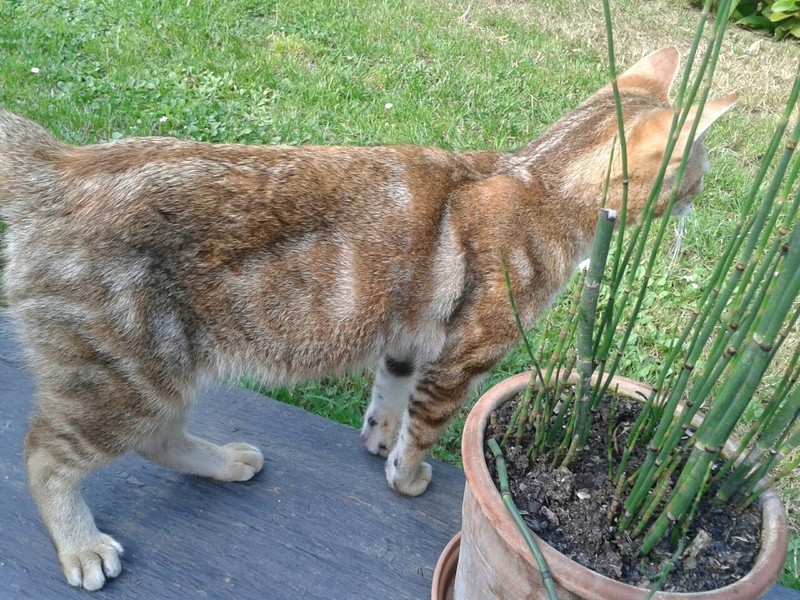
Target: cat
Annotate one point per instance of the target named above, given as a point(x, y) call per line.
point(140, 269)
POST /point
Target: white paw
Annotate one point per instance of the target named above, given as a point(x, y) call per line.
point(244, 461)
point(408, 481)
point(379, 432)
point(91, 563)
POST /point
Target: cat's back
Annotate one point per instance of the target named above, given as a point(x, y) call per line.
point(139, 186)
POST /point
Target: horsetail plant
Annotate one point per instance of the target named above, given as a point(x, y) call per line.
point(727, 350)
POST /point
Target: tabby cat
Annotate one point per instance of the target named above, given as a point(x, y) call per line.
point(140, 269)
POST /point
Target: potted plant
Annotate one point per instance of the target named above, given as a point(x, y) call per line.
point(678, 455)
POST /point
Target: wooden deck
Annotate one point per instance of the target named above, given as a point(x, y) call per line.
point(318, 523)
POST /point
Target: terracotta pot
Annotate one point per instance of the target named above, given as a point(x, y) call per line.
point(494, 561)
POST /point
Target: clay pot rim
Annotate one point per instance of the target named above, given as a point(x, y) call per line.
point(575, 577)
point(445, 572)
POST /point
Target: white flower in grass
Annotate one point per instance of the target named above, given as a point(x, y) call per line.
point(35, 70)
point(388, 106)
point(163, 119)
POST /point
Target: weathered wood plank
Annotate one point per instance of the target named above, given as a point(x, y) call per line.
point(318, 522)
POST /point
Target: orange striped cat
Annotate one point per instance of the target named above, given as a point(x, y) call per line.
point(140, 269)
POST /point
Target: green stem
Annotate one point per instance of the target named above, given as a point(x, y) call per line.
point(502, 475)
point(710, 311)
point(735, 393)
point(586, 318)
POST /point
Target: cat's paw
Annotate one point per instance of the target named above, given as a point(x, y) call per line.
point(244, 461)
point(379, 432)
point(90, 563)
point(409, 482)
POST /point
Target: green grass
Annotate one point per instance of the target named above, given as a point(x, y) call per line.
point(791, 570)
point(290, 72)
point(457, 75)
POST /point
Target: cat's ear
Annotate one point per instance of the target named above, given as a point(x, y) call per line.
point(655, 72)
point(650, 137)
point(711, 112)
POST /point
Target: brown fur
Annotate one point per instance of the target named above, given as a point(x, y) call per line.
point(139, 269)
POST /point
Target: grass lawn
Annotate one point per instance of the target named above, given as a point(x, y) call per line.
point(461, 75)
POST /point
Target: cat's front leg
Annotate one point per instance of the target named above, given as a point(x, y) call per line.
point(393, 384)
point(437, 396)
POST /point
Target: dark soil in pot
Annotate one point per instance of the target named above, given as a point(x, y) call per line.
point(567, 508)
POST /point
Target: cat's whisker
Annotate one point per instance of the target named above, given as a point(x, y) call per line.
point(677, 244)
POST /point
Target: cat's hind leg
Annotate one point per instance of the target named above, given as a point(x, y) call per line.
point(68, 439)
point(394, 381)
point(172, 447)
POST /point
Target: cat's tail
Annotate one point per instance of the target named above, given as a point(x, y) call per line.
point(28, 159)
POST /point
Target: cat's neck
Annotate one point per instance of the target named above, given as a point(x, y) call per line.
point(540, 219)
point(571, 159)
point(568, 191)
point(558, 184)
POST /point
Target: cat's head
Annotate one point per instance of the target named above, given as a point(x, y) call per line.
point(644, 90)
point(580, 143)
